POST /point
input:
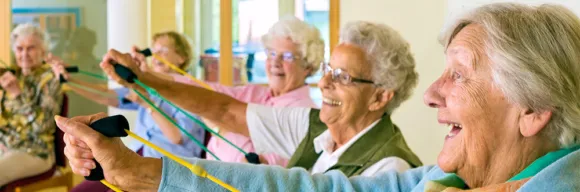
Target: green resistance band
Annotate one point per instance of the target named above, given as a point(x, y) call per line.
point(153, 92)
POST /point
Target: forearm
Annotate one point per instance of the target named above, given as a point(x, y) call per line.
point(144, 176)
point(167, 128)
point(97, 98)
point(221, 109)
point(98, 87)
point(247, 177)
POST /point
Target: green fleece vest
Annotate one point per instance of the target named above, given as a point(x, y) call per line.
point(382, 141)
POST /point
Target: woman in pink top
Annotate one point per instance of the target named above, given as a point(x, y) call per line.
point(295, 51)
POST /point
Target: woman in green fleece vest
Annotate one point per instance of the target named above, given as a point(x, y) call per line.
point(370, 74)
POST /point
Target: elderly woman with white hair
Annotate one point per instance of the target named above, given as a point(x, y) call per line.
point(294, 50)
point(510, 93)
point(30, 96)
point(370, 74)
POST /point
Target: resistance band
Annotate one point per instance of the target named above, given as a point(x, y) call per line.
point(118, 126)
point(250, 157)
point(171, 120)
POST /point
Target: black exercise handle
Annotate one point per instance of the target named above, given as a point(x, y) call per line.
point(146, 52)
point(113, 126)
point(126, 101)
point(71, 69)
point(253, 158)
point(4, 70)
point(125, 73)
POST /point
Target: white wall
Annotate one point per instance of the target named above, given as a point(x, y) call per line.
point(126, 26)
point(419, 22)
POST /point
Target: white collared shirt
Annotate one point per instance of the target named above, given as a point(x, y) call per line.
point(280, 131)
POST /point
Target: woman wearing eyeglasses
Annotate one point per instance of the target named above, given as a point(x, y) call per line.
point(370, 74)
point(294, 51)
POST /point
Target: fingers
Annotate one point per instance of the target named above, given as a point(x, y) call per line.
point(7, 79)
point(79, 171)
point(114, 57)
point(135, 49)
point(74, 152)
point(120, 58)
point(82, 131)
point(71, 140)
point(79, 159)
point(88, 119)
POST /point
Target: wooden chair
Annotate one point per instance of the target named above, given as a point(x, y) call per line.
point(57, 176)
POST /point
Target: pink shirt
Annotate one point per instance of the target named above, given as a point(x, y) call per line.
point(252, 94)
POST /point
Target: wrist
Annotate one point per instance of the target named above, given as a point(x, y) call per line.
point(143, 175)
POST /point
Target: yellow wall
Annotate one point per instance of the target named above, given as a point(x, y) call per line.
point(5, 20)
point(161, 16)
point(418, 21)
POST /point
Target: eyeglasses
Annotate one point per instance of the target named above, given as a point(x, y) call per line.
point(160, 50)
point(286, 56)
point(343, 77)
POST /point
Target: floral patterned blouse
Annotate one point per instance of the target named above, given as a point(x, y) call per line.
point(27, 121)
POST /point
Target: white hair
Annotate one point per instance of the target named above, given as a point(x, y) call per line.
point(393, 65)
point(307, 37)
point(27, 29)
point(535, 56)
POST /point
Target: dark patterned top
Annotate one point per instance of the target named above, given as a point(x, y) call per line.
point(27, 120)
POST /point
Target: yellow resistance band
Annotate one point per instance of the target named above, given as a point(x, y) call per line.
point(177, 69)
point(194, 168)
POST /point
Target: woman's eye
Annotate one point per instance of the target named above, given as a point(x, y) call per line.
point(456, 76)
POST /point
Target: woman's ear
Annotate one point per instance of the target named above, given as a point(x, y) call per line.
point(308, 71)
point(380, 99)
point(532, 122)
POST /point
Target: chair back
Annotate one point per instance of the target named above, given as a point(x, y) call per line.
point(59, 144)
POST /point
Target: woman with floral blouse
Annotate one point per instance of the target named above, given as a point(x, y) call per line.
point(29, 100)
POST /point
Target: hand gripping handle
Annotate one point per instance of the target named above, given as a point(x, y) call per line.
point(71, 69)
point(113, 126)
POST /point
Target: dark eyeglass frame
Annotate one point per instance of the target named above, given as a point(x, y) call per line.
point(338, 75)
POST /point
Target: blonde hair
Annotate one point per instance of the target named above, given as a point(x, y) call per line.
point(181, 46)
point(535, 56)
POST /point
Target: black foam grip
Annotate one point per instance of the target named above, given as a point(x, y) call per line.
point(126, 101)
point(147, 52)
point(113, 126)
point(253, 158)
point(61, 79)
point(8, 70)
point(125, 73)
point(72, 69)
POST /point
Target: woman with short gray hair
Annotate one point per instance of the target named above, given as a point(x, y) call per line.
point(373, 64)
point(30, 97)
point(510, 94)
point(352, 132)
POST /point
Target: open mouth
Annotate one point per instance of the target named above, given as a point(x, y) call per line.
point(454, 129)
point(331, 102)
point(278, 74)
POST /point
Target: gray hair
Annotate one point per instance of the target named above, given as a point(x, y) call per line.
point(535, 53)
point(27, 29)
point(393, 65)
point(307, 37)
